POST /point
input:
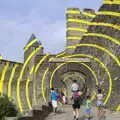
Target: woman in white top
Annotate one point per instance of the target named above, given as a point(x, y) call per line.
point(99, 98)
point(100, 104)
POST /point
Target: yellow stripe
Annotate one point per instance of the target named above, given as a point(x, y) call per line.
point(72, 12)
point(97, 34)
point(64, 64)
point(103, 65)
point(104, 36)
point(41, 61)
point(94, 75)
point(118, 108)
point(51, 59)
point(111, 2)
point(99, 47)
point(51, 78)
point(43, 83)
point(76, 29)
point(36, 69)
point(89, 14)
point(27, 93)
point(92, 71)
point(30, 44)
point(1, 57)
point(27, 88)
point(95, 23)
point(58, 55)
point(93, 96)
point(109, 13)
point(32, 69)
point(78, 12)
point(21, 74)
point(73, 38)
point(10, 80)
point(74, 62)
point(3, 77)
point(68, 77)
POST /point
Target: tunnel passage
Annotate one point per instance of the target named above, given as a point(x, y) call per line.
point(63, 77)
point(67, 80)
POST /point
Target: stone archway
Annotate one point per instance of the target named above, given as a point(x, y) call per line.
point(68, 77)
point(72, 68)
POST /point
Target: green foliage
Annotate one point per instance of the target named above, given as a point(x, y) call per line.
point(7, 108)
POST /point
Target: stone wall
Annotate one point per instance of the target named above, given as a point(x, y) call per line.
point(75, 30)
point(112, 44)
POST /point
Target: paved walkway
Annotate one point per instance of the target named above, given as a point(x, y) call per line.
point(67, 114)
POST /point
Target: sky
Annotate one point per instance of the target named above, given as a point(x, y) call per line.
point(45, 18)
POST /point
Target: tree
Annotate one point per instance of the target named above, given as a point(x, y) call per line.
point(7, 108)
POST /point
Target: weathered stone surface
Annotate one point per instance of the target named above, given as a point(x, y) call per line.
point(106, 58)
point(38, 79)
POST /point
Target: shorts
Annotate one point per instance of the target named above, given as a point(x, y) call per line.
point(64, 99)
point(99, 103)
point(88, 111)
point(54, 103)
point(76, 105)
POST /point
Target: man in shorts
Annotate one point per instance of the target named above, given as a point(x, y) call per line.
point(54, 99)
point(75, 86)
point(76, 102)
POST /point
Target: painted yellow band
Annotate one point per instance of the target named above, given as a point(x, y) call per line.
point(111, 2)
point(1, 57)
point(73, 38)
point(30, 44)
point(40, 62)
point(72, 12)
point(36, 69)
point(58, 55)
point(43, 84)
point(94, 23)
point(76, 29)
point(11, 79)
point(103, 65)
point(99, 47)
point(3, 77)
point(92, 71)
point(27, 88)
point(94, 75)
point(27, 93)
point(109, 13)
point(21, 74)
point(89, 14)
point(104, 36)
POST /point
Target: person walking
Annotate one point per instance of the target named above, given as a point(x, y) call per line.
point(76, 102)
point(54, 100)
point(58, 95)
point(88, 108)
point(100, 104)
point(75, 86)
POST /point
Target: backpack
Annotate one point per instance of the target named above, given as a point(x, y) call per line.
point(77, 98)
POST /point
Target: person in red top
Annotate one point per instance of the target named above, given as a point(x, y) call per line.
point(58, 95)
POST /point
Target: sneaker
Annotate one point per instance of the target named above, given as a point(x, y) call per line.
point(77, 118)
point(74, 118)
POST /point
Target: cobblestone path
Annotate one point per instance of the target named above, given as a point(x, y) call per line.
point(67, 114)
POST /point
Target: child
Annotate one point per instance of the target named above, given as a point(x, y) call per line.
point(88, 108)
